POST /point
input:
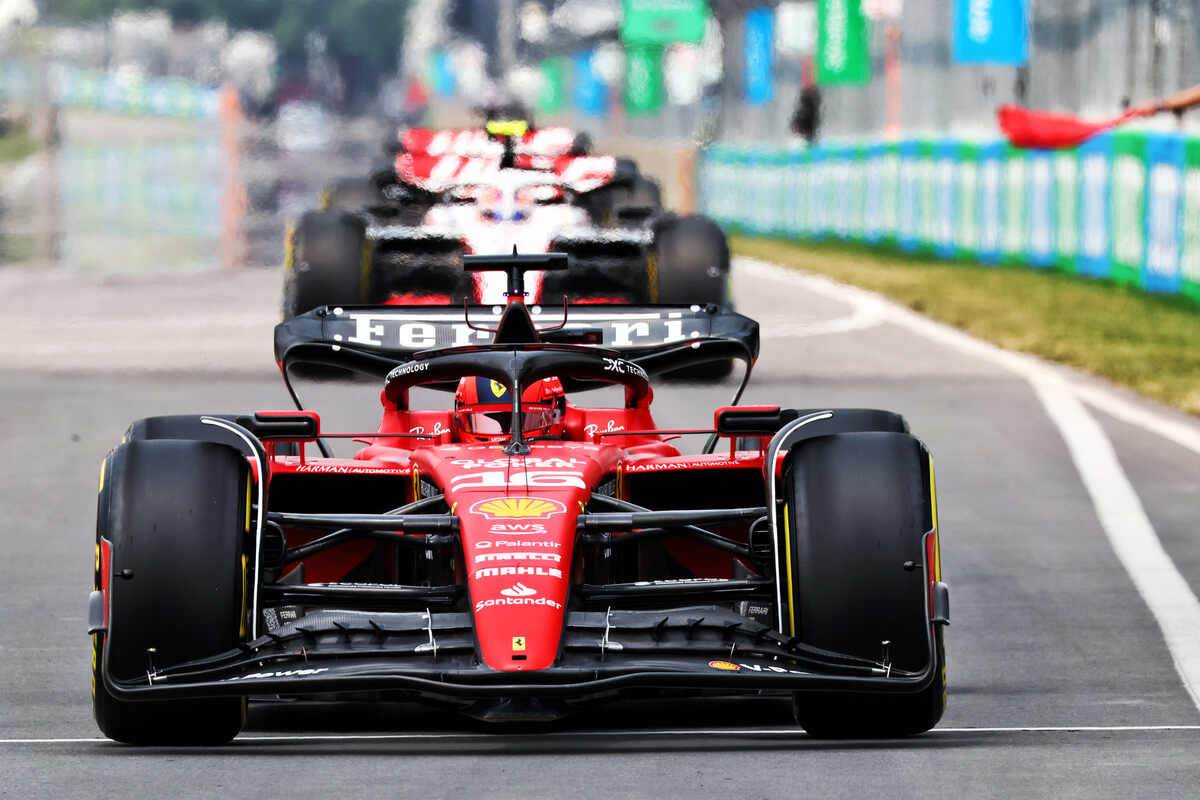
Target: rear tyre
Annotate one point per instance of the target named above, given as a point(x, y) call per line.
point(691, 267)
point(327, 264)
point(173, 516)
point(351, 194)
point(857, 507)
point(643, 193)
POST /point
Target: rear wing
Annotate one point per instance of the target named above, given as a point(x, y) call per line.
point(473, 142)
point(439, 173)
point(375, 339)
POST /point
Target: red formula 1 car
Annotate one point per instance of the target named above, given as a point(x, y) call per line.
point(519, 555)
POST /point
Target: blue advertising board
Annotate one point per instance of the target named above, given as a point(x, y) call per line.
point(757, 48)
point(991, 31)
point(591, 93)
point(1095, 173)
point(1164, 240)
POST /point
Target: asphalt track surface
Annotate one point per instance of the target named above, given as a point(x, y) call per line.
point(1062, 682)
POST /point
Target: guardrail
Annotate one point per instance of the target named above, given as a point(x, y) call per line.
point(71, 87)
point(1123, 206)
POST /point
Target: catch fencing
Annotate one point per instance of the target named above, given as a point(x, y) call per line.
point(1123, 207)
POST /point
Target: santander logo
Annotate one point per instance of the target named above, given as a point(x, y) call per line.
point(518, 590)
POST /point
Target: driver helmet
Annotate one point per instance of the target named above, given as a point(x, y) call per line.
point(483, 409)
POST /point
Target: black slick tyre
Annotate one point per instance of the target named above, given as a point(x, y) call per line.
point(350, 194)
point(690, 266)
point(172, 523)
point(643, 192)
point(858, 506)
point(327, 262)
point(692, 261)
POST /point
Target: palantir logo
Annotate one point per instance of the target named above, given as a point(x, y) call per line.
point(518, 590)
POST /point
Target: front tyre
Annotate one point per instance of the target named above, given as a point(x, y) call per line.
point(858, 566)
point(171, 528)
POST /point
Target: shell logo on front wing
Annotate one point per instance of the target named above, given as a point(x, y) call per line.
point(518, 508)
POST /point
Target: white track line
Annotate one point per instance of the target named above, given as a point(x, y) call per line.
point(863, 315)
point(1130, 532)
point(1116, 406)
point(698, 732)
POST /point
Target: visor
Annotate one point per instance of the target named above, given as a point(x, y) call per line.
point(496, 420)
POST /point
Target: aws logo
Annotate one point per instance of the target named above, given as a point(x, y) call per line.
point(518, 508)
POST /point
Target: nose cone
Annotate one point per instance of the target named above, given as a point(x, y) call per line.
point(518, 552)
point(517, 528)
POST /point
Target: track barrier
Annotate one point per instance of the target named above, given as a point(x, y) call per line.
point(1123, 207)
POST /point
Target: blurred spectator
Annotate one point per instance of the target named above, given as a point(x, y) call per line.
point(806, 119)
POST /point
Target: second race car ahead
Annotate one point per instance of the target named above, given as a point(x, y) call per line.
point(501, 192)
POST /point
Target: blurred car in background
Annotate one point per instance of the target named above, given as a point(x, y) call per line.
point(399, 236)
point(303, 127)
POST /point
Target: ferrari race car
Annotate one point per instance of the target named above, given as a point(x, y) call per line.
point(452, 193)
point(521, 555)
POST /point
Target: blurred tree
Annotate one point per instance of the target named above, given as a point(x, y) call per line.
point(362, 37)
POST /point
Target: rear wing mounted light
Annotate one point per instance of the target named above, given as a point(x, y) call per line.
point(515, 266)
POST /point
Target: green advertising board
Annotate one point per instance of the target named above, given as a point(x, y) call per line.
point(1128, 206)
point(843, 46)
point(553, 94)
point(926, 207)
point(798, 190)
point(659, 22)
point(643, 79)
point(966, 229)
point(1189, 261)
point(1066, 228)
point(1014, 183)
point(889, 210)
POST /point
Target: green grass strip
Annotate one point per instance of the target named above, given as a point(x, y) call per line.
point(17, 144)
point(1150, 343)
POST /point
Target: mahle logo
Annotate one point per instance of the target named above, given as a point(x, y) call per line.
point(518, 508)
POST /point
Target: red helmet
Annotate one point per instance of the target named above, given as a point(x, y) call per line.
point(483, 409)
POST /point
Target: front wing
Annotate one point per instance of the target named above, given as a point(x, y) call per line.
point(433, 655)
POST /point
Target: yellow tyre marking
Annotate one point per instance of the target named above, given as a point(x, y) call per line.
point(103, 464)
point(249, 482)
point(787, 549)
point(367, 251)
point(242, 616)
point(289, 247)
point(652, 275)
point(936, 567)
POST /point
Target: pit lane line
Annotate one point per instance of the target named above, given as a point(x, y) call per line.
point(649, 732)
point(1130, 533)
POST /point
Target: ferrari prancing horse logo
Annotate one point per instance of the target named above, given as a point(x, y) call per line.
point(518, 644)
